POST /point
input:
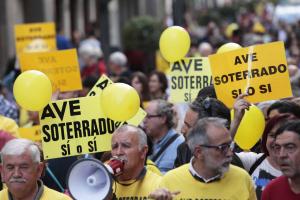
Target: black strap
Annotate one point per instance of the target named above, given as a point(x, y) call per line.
point(257, 162)
point(163, 148)
point(237, 161)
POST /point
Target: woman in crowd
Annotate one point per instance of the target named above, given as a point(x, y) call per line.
point(158, 84)
point(283, 106)
point(262, 167)
point(140, 82)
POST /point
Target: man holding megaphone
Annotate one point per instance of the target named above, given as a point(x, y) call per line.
point(136, 182)
point(90, 179)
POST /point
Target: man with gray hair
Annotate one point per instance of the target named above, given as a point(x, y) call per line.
point(205, 49)
point(159, 125)
point(129, 143)
point(199, 108)
point(119, 72)
point(21, 169)
point(209, 171)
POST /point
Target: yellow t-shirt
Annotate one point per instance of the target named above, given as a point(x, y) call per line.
point(152, 167)
point(236, 184)
point(139, 189)
point(48, 194)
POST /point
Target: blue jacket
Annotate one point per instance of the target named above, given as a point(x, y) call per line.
point(165, 161)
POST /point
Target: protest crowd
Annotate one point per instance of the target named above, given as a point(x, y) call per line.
point(232, 132)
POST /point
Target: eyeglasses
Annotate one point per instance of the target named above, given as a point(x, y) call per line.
point(152, 116)
point(223, 148)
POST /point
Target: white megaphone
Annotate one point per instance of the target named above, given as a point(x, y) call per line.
point(90, 179)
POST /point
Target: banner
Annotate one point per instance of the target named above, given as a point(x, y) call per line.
point(259, 70)
point(188, 76)
point(35, 37)
point(75, 126)
point(79, 126)
point(32, 133)
point(60, 66)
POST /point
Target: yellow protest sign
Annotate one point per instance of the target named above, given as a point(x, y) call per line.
point(188, 76)
point(32, 133)
point(137, 118)
point(259, 70)
point(75, 126)
point(35, 37)
point(60, 66)
point(102, 83)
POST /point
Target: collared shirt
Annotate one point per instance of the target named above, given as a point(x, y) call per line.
point(236, 184)
point(38, 194)
point(201, 178)
point(43, 193)
point(165, 161)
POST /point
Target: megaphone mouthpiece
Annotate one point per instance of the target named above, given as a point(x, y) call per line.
point(115, 166)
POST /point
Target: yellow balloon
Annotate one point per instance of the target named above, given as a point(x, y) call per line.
point(120, 101)
point(32, 90)
point(228, 47)
point(230, 28)
point(174, 43)
point(251, 128)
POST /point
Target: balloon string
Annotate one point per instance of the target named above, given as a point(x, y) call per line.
point(190, 97)
point(251, 48)
point(55, 179)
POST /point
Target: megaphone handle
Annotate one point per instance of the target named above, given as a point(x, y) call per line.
point(55, 179)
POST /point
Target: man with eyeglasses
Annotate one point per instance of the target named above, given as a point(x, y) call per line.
point(209, 174)
point(159, 126)
point(287, 147)
point(199, 108)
